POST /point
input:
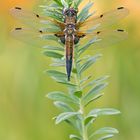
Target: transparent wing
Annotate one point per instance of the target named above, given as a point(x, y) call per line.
point(103, 38)
point(103, 20)
point(34, 37)
point(33, 19)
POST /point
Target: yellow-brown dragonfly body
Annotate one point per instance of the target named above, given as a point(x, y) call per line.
point(69, 37)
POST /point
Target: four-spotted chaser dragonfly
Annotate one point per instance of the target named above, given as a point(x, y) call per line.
point(71, 31)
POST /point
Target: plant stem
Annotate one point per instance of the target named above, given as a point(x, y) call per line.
point(81, 107)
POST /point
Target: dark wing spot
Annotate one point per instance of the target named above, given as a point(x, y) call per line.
point(83, 35)
point(18, 28)
point(18, 8)
point(37, 16)
point(101, 16)
point(120, 8)
point(120, 30)
point(98, 32)
point(56, 35)
point(41, 31)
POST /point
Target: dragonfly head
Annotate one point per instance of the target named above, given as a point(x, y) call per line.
point(70, 12)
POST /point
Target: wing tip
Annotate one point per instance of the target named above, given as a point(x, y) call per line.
point(15, 10)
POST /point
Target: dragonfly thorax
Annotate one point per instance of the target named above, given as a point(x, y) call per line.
point(70, 29)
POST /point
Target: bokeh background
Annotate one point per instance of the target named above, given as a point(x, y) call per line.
point(25, 113)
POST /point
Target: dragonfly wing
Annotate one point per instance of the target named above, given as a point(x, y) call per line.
point(33, 19)
point(33, 37)
point(104, 38)
point(103, 20)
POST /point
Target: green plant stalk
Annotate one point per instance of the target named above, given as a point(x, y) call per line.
point(81, 107)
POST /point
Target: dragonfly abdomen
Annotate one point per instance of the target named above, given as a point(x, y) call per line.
point(69, 44)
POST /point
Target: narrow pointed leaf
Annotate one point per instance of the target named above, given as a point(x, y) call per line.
point(95, 98)
point(58, 62)
point(92, 93)
point(53, 54)
point(106, 130)
point(60, 96)
point(103, 111)
point(57, 75)
point(64, 3)
point(65, 116)
point(63, 106)
point(89, 63)
point(87, 45)
point(106, 137)
point(97, 81)
point(67, 84)
point(53, 48)
point(58, 2)
point(75, 137)
point(77, 3)
point(89, 120)
point(85, 11)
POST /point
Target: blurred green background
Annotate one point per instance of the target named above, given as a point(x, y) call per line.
point(25, 113)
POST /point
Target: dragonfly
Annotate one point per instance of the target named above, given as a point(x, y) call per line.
point(70, 31)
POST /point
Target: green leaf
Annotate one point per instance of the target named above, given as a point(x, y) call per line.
point(78, 94)
point(85, 11)
point(54, 16)
point(106, 130)
point(65, 116)
point(95, 98)
point(69, 2)
point(58, 62)
point(89, 120)
point(92, 93)
point(103, 111)
point(89, 62)
point(53, 54)
point(87, 45)
point(64, 3)
point(57, 75)
point(68, 84)
point(52, 48)
point(60, 96)
point(97, 81)
point(85, 79)
point(77, 3)
point(106, 137)
point(75, 137)
point(49, 37)
point(86, 16)
point(63, 106)
point(58, 2)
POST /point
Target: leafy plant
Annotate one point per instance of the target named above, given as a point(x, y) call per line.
point(73, 103)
